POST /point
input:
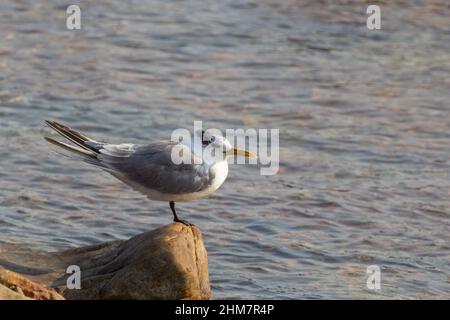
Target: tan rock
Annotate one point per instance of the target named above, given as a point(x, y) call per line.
point(14, 286)
point(167, 263)
point(8, 294)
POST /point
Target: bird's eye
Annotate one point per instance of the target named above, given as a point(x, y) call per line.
point(212, 139)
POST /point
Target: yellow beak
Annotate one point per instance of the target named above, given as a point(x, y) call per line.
point(239, 152)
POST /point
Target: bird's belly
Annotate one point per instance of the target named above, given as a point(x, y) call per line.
point(219, 179)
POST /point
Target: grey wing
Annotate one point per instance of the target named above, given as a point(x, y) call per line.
point(151, 167)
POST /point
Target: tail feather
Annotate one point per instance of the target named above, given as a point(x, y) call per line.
point(75, 149)
point(73, 136)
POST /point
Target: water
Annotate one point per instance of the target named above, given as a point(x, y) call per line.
point(364, 133)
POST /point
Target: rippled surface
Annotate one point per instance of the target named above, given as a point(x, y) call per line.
point(364, 133)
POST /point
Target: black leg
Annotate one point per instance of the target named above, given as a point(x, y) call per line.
point(172, 207)
point(175, 217)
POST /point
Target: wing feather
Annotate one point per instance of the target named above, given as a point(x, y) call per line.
point(151, 167)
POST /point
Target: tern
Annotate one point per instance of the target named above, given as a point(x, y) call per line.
point(150, 169)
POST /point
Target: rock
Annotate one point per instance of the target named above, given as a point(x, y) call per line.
point(167, 263)
point(8, 294)
point(13, 286)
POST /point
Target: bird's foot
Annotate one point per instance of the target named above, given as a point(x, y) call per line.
point(186, 223)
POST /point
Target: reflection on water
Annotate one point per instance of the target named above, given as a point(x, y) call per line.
point(364, 133)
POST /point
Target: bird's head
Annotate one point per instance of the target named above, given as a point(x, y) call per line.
point(221, 144)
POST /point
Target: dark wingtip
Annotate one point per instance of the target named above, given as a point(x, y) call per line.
point(51, 140)
point(53, 124)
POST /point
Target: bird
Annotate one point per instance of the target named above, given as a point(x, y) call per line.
point(150, 169)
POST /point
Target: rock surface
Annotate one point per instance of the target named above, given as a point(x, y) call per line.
point(167, 263)
point(13, 286)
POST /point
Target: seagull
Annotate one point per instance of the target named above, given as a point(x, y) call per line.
point(150, 169)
